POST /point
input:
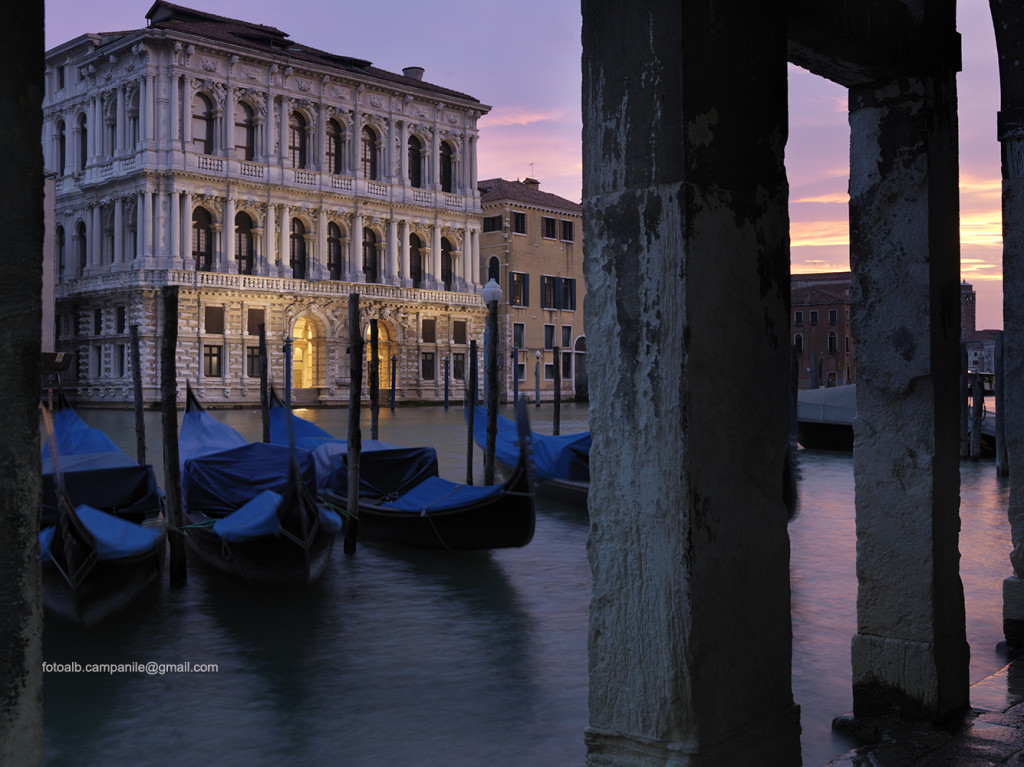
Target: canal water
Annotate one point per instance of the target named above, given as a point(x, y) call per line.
point(418, 658)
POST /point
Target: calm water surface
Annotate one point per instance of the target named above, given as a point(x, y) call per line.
point(406, 658)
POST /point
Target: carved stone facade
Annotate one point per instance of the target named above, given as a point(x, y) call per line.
point(265, 179)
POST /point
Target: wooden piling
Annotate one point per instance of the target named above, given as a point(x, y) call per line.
point(978, 410)
point(1002, 459)
point(374, 380)
point(169, 421)
point(354, 436)
point(556, 425)
point(140, 421)
point(264, 395)
point(471, 413)
point(491, 369)
point(965, 438)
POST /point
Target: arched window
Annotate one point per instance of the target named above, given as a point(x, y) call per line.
point(833, 343)
point(243, 243)
point(494, 269)
point(81, 254)
point(798, 342)
point(61, 255)
point(298, 250)
point(334, 147)
point(415, 162)
point(415, 261)
point(202, 239)
point(446, 263)
point(334, 250)
point(446, 166)
point(297, 140)
point(370, 270)
point(245, 132)
point(62, 147)
point(369, 153)
point(83, 141)
point(202, 124)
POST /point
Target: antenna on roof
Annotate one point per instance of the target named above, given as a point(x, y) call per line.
point(531, 170)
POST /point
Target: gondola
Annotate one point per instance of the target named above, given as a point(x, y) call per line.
point(95, 561)
point(250, 507)
point(403, 501)
point(561, 463)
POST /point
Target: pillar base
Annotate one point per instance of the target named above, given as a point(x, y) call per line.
point(1013, 611)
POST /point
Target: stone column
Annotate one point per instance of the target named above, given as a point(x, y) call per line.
point(687, 255)
point(120, 121)
point(318, 261)
point(267, 262)
point(96, 237)
point(403, 152)
point(148, 239)
point(141, 226)
point(150, 108)
point(229, 264)
point(117, 257)
point(391, 277)
point(186, 112)
point(176, 230)
point(175, 110)
point(355, 263)
point(435, 258)
point(403, 247)
point(186, 231)
point(910, 654)
point(283, 253)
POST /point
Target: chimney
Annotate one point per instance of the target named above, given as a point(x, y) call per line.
point(413, 73)
point(532, 183)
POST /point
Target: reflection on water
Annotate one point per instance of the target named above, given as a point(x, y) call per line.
point(426, 658)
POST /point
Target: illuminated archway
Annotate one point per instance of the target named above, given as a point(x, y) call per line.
point(308, 359)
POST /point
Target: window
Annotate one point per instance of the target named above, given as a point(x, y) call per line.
point(245, 132)
point(833, 343)
point(427, 366)
point(492, 224)
point(297, 254)
point(519, 223)
point(567, 293)
point(334, 250)
point(369, 154)
point(415, 162)
point(459, 366)
point(120, 320)
point(567, 231)
point(832, 316)
point(549, 336)
point(519, 294)
point(847, 344)
point(494, 269)
point(83, 142)
point(252, 361)
point(814, 317)
point(446, 167)
point(798, 343)
point(566, 336)
point(334, 147)
point(415, 261)
point(202, 239)
point(60, 78)
point(446, 263)
point(549, 371)
point(120, 360)
point(371, 268)
point(214, 320)
point(97, 321)
point(297, 140)
point(243, 243)
point(429, 334)
point(566, 366)
point(254, 318)
point(81, 251)
point(458, 331)
point(549, 293)
point(548, 228)
point(518, 335)
point(798, 318)
point(62, 150)
point(212, 361)
point(202, 124)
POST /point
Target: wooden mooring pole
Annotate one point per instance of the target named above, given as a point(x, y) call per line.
point(977, 412)
point(1002, 459)
point(140, 421)
point(169, 422)
point(965, 438)
point(264, 396)
point(355, 388)
point(374, 380)
point(556, 426)
point(471, 412)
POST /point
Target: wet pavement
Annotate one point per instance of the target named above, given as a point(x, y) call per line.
point(992, 733)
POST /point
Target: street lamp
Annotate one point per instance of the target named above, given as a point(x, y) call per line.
point(491, 294)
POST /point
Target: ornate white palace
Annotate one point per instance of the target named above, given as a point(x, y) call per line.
point(269, 181)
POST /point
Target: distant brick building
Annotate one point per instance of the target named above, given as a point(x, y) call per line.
point(820, 329)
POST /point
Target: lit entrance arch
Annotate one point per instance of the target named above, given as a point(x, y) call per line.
point(386, 347)
point(308, 358)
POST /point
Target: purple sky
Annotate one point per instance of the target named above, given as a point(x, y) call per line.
point(525, 64)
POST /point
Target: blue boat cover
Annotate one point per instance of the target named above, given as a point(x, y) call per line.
point(115, 538)
point(258, 519)
point(566, 456)
point(202, 434)
point(96, 472)
point(437, 494)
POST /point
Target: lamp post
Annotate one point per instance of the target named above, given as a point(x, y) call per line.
point(515, 376)
point(537, 375)
point(288, 371)
point(491, 294)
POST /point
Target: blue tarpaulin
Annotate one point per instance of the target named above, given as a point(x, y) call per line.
point(115, 538)
point(566, 456)
point(258, 518)
point(437, 494)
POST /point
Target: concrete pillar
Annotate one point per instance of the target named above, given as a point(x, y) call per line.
point(910, 654)
point(687, 233)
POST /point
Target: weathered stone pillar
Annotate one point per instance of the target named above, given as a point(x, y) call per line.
point(685, 211)
point(21, 218)
point(1009, 26)
point(910, 654)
